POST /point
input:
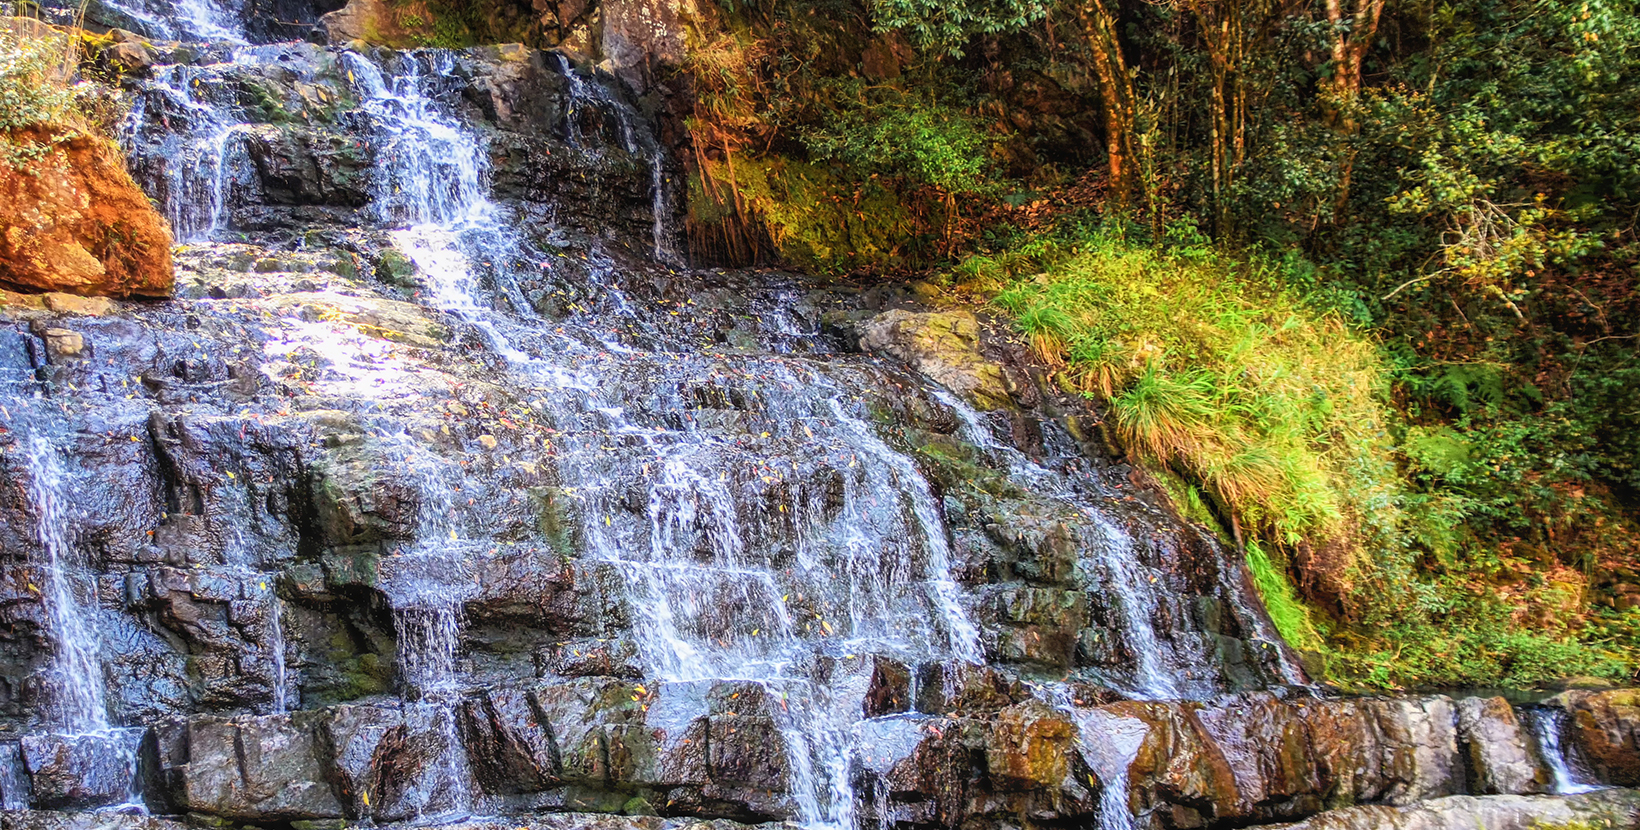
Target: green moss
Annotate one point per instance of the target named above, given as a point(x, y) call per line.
point(362, 676)
point(551, 520)
point(953, 466)
point(638, 806)
point(396, 269)
point(816, 217)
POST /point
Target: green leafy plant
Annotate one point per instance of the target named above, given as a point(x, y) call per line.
point(36, 93)
point(923, 143)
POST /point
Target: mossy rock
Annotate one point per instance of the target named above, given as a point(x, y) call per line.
point(397, 270)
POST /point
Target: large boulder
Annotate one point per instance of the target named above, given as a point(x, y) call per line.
point(256, 769)
point(1495, 749)
point(79, 772)
point(1604, 726)
point(397, 763)
point(370, 21)
point(1029, 748)
point(943, 345)
point(510, 746)
point(74, 221)
point(643, 37)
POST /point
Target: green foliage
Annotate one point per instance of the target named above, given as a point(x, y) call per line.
point(34, 92)
point(1469, 639)
point(814, 217)
point(1292, 618)
point(1461, 236)
point(448, 24)
point(922, 143)
point(1211, 367)
point(946, 27)
point(1230, 382)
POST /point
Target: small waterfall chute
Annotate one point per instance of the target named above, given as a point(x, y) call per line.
point(1548, 728)
point(77, 686)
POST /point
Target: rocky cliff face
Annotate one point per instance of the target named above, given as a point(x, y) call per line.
point(442, 490)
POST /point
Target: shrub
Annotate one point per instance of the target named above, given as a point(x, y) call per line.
point(1208, 365)
point(923, 144)
point(34, 89)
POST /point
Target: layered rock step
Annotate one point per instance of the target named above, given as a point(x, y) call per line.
point(977, 747)
point(1609, 808)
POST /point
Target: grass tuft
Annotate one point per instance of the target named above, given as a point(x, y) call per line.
point(1268, 417)
point(1211, 367)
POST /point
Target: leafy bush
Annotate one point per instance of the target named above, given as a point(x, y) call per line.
point(921, 143)
point(945, 26)
point(34, 90)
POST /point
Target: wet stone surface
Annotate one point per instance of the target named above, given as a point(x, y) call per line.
point(441, 490)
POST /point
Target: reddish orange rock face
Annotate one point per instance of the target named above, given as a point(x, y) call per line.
point(75, 222)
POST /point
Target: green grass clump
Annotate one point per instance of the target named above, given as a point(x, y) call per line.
point(35, 90)
point(1211, 368)
point(1292, 618)
point(1268, 417)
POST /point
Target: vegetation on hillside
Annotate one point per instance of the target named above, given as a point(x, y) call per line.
point(1355, 280)
point(36, 65)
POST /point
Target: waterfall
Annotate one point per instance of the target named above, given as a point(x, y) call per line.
point(276, 649)
point(76, 667)
point(1109, 744)
point(429, 580)
point(783, 538)
point(14, 782)
point(429, 169)
point(426, 584)
point(708, 604)
point(202, 143)
point(582, 96)
point(1548, 725)
point(1112, 553)
point(194, 20)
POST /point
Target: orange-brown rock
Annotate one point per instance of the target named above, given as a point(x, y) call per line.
point(1605, 727)
point(75, 222)
point(1029, 747)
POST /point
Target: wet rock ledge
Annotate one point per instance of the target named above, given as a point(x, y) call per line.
point(970, 748)
point(1609, 809)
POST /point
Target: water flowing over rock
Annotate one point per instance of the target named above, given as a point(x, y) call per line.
point(443, 494)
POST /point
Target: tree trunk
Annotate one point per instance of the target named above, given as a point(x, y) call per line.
point(1116, 94)
point(1352, 36)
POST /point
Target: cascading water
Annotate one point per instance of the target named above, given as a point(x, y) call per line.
point(201, 137)
point(14, 783)
point(426, 586)
point(76, 669)
point(1159, 671)
point(593, 96)
point(276, 648)
point(1548, 724)
point(716, 497)
point(77, 689)
point(194, 20)
point(710, 602)
point(1109, 744)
